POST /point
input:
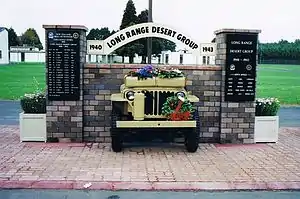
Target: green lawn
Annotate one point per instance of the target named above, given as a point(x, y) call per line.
point(18, 79)
point(281, 81)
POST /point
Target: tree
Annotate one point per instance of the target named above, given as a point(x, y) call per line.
point(168, 45)
point(113, 32)
point(99, 34)
point(13, 39)
point(93, 34)
point(129, 16)
point(31, 38)
point(158, 44)
point(280, 51)
point(143, 18)
point(129, 19)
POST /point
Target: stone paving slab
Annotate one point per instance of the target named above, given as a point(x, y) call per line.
point(213, 167)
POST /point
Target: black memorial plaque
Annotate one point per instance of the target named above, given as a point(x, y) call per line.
point(240, 67)
point(63, 64)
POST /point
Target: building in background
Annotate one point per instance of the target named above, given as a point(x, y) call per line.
point(185, 57)
point(26, 54)
point(33, 55)
point(4, 51)
point(179, 57)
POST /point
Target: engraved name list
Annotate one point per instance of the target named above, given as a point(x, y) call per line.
point(63, 64)
point(240, 67)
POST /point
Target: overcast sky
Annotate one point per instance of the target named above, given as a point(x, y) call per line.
point(277, 19)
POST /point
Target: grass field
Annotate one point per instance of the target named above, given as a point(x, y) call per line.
point(281, 81)
point(18, 79)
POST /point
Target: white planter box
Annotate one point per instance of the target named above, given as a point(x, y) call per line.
point(33, 127)
point(266, 128)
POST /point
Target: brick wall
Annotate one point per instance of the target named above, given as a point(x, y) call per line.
point(102, 80)
point(237, 119)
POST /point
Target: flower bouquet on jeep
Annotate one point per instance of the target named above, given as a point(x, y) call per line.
point(143, 77)
point(155, 76)
point(143, 73)
point(171, 76)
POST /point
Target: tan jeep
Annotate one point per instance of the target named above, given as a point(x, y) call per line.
point(137, 110)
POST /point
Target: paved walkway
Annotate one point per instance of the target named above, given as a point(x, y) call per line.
point(218, 167)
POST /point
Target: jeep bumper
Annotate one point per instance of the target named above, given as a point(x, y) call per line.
point(156, 124)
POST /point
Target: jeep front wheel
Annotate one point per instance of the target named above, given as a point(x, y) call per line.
point(192, 135)
point(116, 143)
point(115, 133)
point(192, 141)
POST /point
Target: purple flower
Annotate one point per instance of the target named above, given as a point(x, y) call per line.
point(146, 71)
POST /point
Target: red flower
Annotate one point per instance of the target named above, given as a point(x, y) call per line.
point(180, 116)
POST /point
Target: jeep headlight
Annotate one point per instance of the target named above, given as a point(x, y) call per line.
point(180, 95)
point(129, 95)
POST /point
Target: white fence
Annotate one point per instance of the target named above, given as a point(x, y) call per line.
point(38, 57)
point(165, 58)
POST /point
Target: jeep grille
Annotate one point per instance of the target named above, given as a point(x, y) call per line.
point(154, 101)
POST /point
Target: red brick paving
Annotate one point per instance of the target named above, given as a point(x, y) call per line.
point(213, 167)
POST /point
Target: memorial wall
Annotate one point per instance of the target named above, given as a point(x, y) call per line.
point(78, 105)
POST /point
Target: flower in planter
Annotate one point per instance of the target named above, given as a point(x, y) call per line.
point(170, 73)
point(149, 71)
point(34, 103)
point(266, 106)
point(146, 72)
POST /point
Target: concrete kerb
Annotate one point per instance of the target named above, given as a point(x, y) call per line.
point(150, 186)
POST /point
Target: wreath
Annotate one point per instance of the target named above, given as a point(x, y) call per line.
point(176, 110)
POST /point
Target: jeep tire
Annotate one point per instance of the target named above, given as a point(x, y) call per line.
point(115, 133)
point(192, 135)
point(116, 143)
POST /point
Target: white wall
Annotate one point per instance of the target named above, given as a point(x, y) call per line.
point(187, 58)
point(15, 57)
point(38, 57)
point(174, 58)
point(35, 57)
point(4, 47)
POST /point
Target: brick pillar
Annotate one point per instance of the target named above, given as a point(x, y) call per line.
point(237, 113)
point(65, 110)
